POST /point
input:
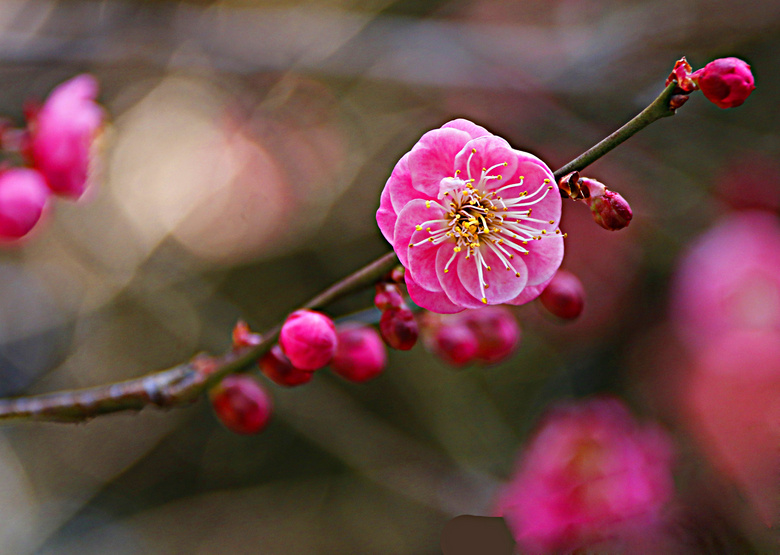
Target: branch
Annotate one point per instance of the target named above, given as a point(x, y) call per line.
point(183, 384)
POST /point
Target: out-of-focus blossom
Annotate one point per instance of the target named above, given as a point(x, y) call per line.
point(731, 403)
point(398, 327)
point(278, 368)
point(472, 220)
point(241, 404)
point(726, 82)
point(590, 474)
point(361, 355)
point(564, 296)
point(23, 197)
point(610, 210)
point(487, 335)
point(750, 180)
point(730, 280)
point(308, 338)
point(62, 133)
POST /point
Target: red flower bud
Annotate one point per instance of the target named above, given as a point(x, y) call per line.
point(399, 328)
point(278, 368)
point(388, 296)
point(308, 338)
point(564, 296)
point(360, 355)
point(727, 82)
point(453, 341)
point(243, 336)
point(23, 197)
point(241, 404)
point(497, 332)
point(610, 210)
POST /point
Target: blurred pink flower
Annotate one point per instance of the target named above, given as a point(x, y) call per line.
point(62, 133)
point(459, 207)
point(731, 403)
point(23, 197)
point(730, 280)
point(591, 474)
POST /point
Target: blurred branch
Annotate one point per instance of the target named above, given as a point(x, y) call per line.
point(184, 383)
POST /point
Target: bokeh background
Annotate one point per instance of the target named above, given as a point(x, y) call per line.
point(249, 143)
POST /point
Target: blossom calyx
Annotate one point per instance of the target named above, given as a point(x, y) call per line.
point(360, 355)
point(278, 368)
point(244, 337)
point(610, 210)
point(241, 404)
point(682, 74)
point(564, 296)
point(308, 338)
point(727, 82)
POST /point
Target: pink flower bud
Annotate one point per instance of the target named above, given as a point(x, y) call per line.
point(360, 355)
point(497, 332)
point(564, 296)
point(453, 341)
point(610, 210)
point(23, 196)
point(241, 404)
point(388, 296)
point(278, 368)
point(243, 336)
point(62, 133)
point(308, 338)
point(399, 328)
point(727, 82)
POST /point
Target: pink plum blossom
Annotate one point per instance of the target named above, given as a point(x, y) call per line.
point(308, 339)
point(23, 197)
point(729, 280)
point(62, 133)
point(590, 474)
point(472, 220)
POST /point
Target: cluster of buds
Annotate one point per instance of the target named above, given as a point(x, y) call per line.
point(610, 210)
point(484, 335)
point(55, 147)
point(308, 341)
point(397, 324)
point(726, 82)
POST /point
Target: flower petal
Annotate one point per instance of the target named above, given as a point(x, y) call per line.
point(433, 301)
point(544, 259)
point(469, 127)
point(431, 159)
point(422, 258)
point(400, 185)
point(486, 152)
point(503, 284)
point(386, 216)
point(450, 281)
point(415, 213)
point(530, 292)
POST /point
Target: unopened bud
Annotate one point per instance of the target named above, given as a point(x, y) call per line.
point(727, 82)
point(243, 336)
point(308, 338)
point(241, 404)
point(361, 354)
point(610, 210)
point(497, 331)
point(399, 328)
point(278, 368)
point(388, 296)
point(564, 296)
point(453, 341)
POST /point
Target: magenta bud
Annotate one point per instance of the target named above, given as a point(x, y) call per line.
point(62, 133)
point(564, 296)
point(610, 210)
point(726, 82)
point(23, 196)
point(278, 368)
point(453, 341)
point(399, 328)
point(497, 332)
point(243, 336)
point(388, 296)
point(361, 355)
point(241, 404)
point(308, 338)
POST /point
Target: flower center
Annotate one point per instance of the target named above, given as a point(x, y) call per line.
point(479, 221)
